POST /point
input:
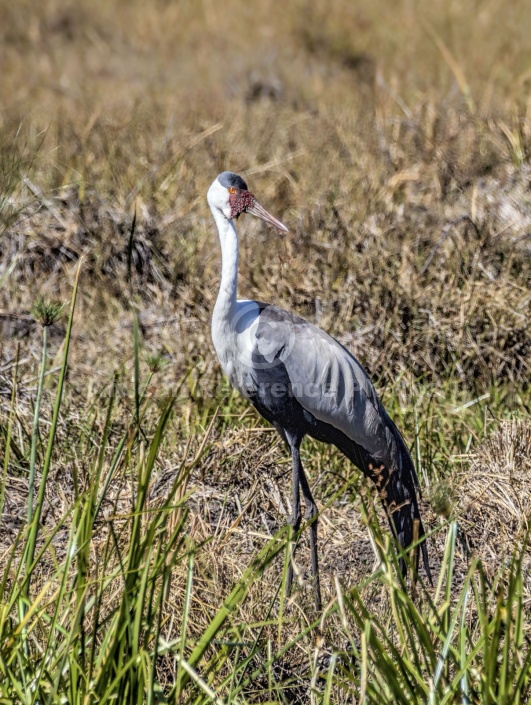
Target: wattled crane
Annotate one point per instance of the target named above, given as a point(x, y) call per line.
point(305, 382)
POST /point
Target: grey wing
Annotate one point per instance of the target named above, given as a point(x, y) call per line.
point(332, 386)
point(327, 380)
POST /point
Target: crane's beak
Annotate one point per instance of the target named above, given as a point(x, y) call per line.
point(257, 210)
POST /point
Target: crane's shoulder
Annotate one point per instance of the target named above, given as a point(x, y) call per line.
point(273, 318)
point(307, 350)
point(270, 312)
point(275, 323)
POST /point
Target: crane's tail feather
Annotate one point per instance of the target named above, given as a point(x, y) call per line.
point(400, 502)
point(398, 489)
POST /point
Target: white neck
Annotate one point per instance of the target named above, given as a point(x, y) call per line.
point(228, 288)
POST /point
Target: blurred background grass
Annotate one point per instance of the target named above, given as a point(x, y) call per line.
point(132, 81)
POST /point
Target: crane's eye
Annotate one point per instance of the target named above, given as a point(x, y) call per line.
point(232, 190)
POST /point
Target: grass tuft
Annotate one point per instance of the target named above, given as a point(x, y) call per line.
point(47, 312)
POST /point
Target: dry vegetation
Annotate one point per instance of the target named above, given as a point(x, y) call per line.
point(393, 139)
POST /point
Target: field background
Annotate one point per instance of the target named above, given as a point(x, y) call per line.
point(393, 140)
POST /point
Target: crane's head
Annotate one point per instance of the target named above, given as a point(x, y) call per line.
point(229, 195)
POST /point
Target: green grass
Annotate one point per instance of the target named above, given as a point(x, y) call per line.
point(76, 628)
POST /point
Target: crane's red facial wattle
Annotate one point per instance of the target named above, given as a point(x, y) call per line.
point(239, 201)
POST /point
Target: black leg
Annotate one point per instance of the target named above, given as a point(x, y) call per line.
point(295, 518)
point(311, 516)
point(299, 480)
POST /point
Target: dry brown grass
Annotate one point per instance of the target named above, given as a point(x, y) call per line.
point(495, 494)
